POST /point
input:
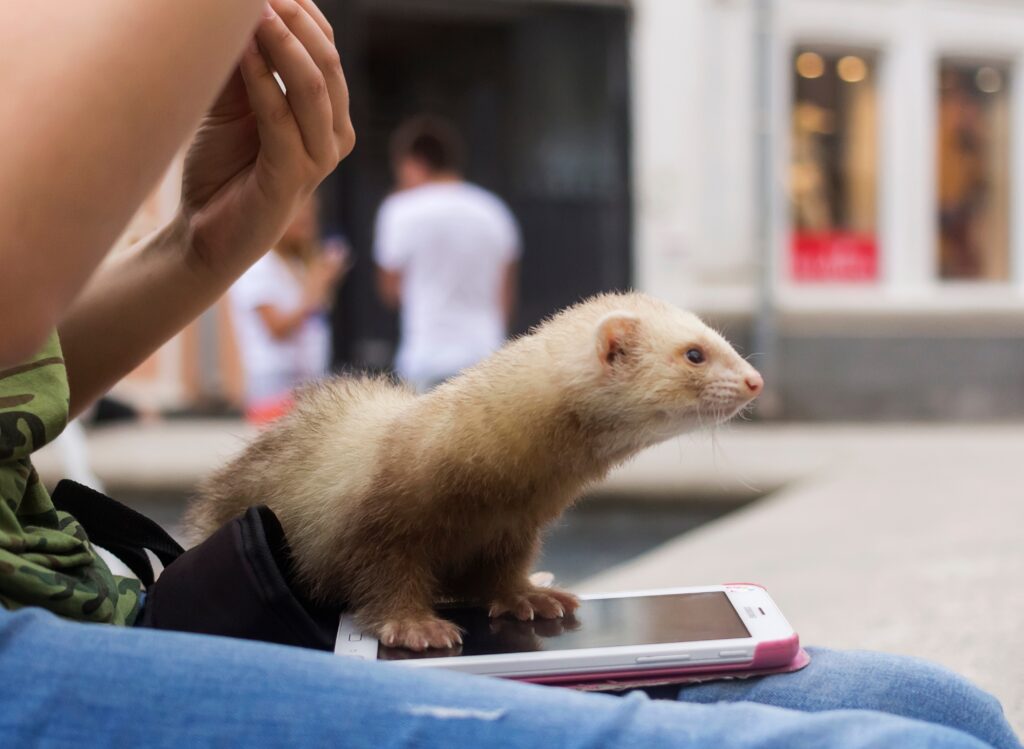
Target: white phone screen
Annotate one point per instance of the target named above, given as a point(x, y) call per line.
point(601, 622)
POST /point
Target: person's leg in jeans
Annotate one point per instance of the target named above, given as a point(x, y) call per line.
point(898, 685)
point(78, 685)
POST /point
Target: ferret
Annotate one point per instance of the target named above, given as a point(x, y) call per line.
point(392, 501)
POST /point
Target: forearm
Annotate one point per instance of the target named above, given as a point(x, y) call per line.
point(389, 288)
point(510, 293)
point(134, 79)
point(134, 304)
point(283, 325)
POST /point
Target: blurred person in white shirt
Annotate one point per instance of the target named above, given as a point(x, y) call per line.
point(447, 253)
point(280, 308)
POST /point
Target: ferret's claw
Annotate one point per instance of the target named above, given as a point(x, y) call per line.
point(523, 610)
point(545, 603)
point(419, 634)
point(566, 600)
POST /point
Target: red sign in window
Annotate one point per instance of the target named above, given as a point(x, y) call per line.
point(834, 256)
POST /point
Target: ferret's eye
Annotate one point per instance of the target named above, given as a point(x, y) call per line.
point(695, 356)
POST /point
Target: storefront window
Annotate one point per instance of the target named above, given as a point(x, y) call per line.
point(973, 172)
point(833, 171)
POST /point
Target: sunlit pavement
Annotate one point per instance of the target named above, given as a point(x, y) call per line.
point(902, 539)
point(898, 538)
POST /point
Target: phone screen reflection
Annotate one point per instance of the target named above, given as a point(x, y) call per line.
point(608, 622)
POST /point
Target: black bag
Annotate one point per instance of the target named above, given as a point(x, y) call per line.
point(237, 583)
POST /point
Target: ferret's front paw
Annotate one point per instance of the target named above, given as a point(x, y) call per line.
point(419, 634)
point(546, 603)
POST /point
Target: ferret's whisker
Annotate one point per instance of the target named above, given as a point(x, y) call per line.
point(715, 451)
point(740, 477)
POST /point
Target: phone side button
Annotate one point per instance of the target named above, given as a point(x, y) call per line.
point(734, 654)
point(662, 658)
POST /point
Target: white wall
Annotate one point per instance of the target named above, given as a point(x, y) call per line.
point(694, 72)
point(694, 148)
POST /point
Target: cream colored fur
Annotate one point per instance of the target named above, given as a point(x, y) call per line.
point(392, 500)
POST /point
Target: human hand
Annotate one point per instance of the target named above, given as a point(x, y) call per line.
point(322, 276)
point(338, 250)
point(260, 152)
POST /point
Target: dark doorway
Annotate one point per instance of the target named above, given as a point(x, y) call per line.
point(539, 91)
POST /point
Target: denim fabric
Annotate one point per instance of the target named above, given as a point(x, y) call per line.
point(75, 685)
point(903, 686)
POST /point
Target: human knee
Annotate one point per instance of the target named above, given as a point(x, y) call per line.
point(912, 687)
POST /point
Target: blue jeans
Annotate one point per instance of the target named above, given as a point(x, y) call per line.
point(75, 685)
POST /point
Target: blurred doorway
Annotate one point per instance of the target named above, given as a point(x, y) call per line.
point(539, 91)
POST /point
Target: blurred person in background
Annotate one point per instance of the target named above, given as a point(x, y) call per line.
point(963, 190)
point(279, 308)
point(447, 252)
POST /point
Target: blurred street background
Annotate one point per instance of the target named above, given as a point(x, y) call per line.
point(835, 184)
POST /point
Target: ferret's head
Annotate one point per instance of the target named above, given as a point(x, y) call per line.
point(659, 370)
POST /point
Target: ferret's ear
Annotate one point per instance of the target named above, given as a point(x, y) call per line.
point(617, 334)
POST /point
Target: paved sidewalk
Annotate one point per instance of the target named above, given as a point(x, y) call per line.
point(906, 539)
point(900, 539)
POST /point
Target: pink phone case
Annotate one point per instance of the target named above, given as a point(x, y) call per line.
point(777, 657)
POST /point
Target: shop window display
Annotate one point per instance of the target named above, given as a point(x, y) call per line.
point(834, 167)
point(973, 172)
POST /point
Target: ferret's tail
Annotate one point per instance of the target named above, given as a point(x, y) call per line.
point(224, 495)
point(211, 508)
point(275, 464)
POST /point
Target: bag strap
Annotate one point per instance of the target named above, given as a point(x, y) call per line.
point(119, 529)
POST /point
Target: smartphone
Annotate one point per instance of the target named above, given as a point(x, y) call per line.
point(648, 633)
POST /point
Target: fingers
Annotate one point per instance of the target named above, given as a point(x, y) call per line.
point(311, 29)
point(317, 15)
point(279, 132)
point(305, 84)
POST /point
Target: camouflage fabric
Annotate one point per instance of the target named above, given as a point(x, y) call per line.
point(45, 556)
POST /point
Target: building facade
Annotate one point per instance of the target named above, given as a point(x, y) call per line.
point(838, 184)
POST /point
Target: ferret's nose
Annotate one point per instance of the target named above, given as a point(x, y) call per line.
point(754, 382)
